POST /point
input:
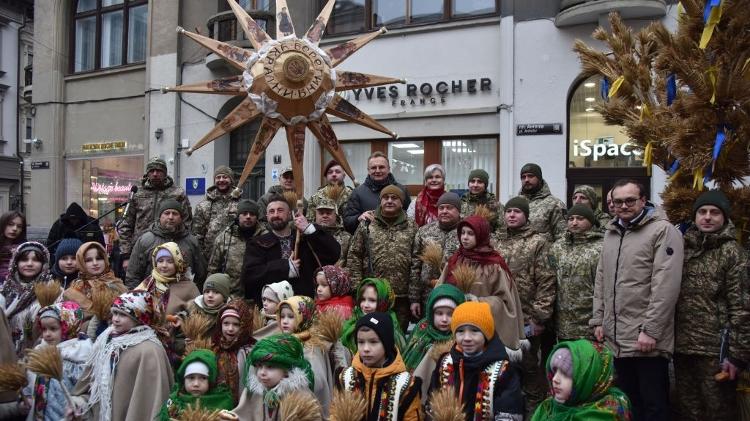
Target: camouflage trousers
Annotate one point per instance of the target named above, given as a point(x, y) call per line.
point(697, 395)
point(534, 380)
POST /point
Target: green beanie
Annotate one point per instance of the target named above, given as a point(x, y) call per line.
point(156, 163)
point(480, 174)
point(532, 168)
point(282, 351)
point(171, 204)
point(519, 202)
point(248, 205)
point(584, 211)
point(589, 192)
point(223, 169)
point(218, 282)
point(203, 356)
point(716, 198)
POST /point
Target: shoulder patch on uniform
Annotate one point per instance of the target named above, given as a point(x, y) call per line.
point(670, 251)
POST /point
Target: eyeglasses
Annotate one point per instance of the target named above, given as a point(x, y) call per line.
point(630, 201)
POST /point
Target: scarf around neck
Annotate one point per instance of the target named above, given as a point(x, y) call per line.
point(425, 208)
point(482, 254)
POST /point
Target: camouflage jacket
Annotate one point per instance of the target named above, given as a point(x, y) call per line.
point(228, 254)
point(603, 218)
point(527, 254)
point(423, 273)
point(574, 258)
point(390, 252)
point(321, 194)
point(344, 238)
point(546, 212)
point(212, 216)
point(469, 203)
point(713, 295)
point(144, 208)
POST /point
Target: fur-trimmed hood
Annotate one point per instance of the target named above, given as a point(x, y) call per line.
point(295, 380)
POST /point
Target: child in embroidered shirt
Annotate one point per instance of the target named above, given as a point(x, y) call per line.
point(334, 291)
point(478, 369)
point(272, 295)
point(379, 373)
point(231, 343)
point(197, 386)
point(276, 367)
point(59, 324)
point(373, 294)
point(215, 295)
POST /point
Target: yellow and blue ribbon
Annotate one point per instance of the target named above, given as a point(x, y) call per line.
point(711, 17)
point(648, 157)
point(671, 88)
point(616, 86)
point(604, 89)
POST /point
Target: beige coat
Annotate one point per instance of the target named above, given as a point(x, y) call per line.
point(141, 384)
point(637, 284)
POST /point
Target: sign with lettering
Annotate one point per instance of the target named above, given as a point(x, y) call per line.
point(538, 129)
point(413, 94)
point(39, 165)
point(104, 146)
point(604, 148)
point(109, 189)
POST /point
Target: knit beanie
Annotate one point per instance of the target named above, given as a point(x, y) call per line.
point(475, 313)
point(67, 247)
point(223, 169)
point(331, 163)
point(519, 202)
point(393, 189)
point(383, 327)
point(282, 351)
point(278, 291)
point(532, 168)
point(170, 204)
point(711, 197)
point(156, 163)
point(562, 360)
point(218, 282)
point(450, 198)
point(584, 211)
point(589, 192)
point(480, 174)
point(248, 205)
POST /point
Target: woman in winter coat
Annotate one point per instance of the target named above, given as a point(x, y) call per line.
point(424, 209)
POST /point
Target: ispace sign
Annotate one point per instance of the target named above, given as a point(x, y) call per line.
point(587, 147)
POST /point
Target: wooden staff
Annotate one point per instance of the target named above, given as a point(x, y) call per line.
point(300, 209)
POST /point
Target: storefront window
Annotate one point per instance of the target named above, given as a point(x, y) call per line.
point(407, 161)
point(100, 184)
point(460, 156)
point(356, 154)
point(594, 144)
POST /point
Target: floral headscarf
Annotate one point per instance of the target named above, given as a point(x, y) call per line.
point(68, 313)
point(14, 288)
point(106, 276)
point(226, 351)
point(338, 279)
point(303, 308)
point(282, 351)
point(385, 300)
point(138, 305)
point(179, 263)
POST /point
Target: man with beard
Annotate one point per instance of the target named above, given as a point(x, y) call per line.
point(143, 211)
point(228, 251)
point(217, 212)
point(326, 217)
point(170, 227)
point(478, 195)
point(270, 257)
point(366, 197)
point(286, 184)
point(546, 212)
point(382, 249)
point(334, 173)
point(441, 233)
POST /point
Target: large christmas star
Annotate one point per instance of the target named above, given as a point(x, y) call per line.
point(290, 82)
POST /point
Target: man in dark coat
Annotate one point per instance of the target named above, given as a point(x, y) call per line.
point(270, 257)
point(366, 197)
point(74, 223)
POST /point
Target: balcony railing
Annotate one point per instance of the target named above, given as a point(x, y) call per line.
point(577, 12)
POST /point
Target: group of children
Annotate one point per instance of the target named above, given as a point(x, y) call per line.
point(121, 367)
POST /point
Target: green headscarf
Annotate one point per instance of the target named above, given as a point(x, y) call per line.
point(593, 397)
point(386, 298)
point(217, 397)
point(283, 351)
point(425, 334)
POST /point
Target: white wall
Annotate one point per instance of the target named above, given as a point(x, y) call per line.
point(9, 64)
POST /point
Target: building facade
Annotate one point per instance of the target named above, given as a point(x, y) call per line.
point(490, 84)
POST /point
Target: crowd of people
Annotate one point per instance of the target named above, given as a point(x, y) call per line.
point(522, 310)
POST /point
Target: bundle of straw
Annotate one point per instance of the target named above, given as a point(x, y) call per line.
point(291, 199)
point(47, 362)
point(196, 326)
point(47, 292)
point(12, 377)
point(445, 406)
point(438, 349)
point(193, 344)
point(485, 212)
point(257, 318)
point(299, 406)
point(196, 413)
point(102, 298)
point(328, 326)
point(743, 395)
point(334, 192)
point(348, 406)
point(432, 255)
point(465, 277)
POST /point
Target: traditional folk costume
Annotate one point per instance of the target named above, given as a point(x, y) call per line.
point(231, 355)
point(173, 293)
point(593, 396)
point(220, 283)
point(276, 292)
point(341, 299)
point(386, 299)
point(391, 393)
point(128, 376)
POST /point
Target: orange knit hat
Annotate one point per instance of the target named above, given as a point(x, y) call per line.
point(475, 313)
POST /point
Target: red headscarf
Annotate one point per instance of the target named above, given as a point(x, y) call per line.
point(425, 208)
point(482, 253)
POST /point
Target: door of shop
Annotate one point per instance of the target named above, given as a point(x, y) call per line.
point(602, 180)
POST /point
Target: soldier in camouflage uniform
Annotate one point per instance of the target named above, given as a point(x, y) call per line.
point(326, 217)
point(586, 195)
point(527, 255)
point(334, 177)
point(385, 246)
point(575, 257)
point(286, 184)
point(228, 251)
point(441, 232)
point(546, 212)
point(712, 297)
point(477, 195)
point(217, 212)
point(156, 186)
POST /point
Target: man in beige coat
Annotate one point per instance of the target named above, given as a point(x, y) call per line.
point(635, 292)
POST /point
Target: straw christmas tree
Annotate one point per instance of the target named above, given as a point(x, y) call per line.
point(683, 98)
